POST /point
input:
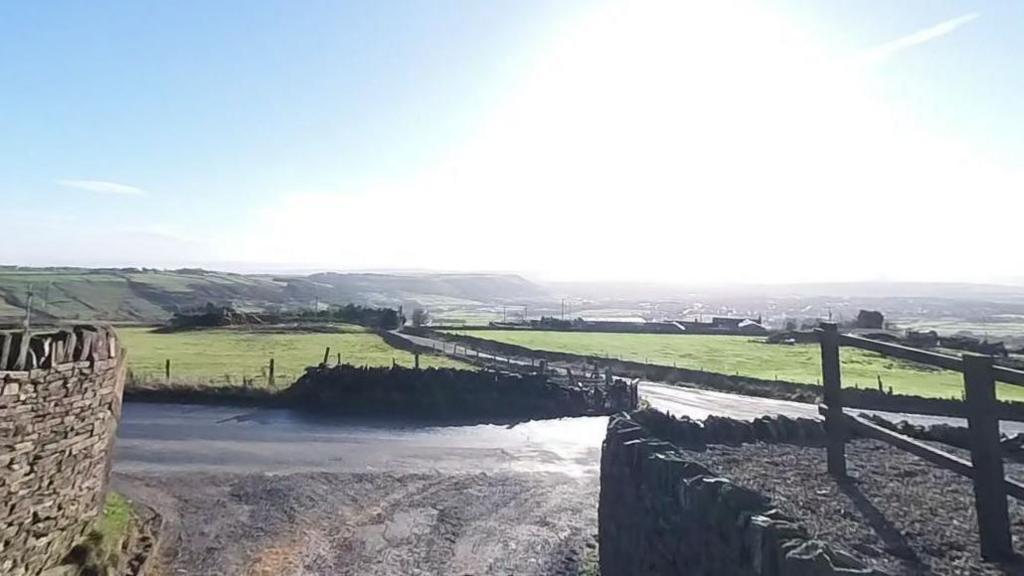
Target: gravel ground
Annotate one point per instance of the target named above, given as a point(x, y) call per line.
point(370, 523)
point(899, 513)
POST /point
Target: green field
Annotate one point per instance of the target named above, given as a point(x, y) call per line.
point(81, 294)
point(748, 357)
point(228, 356)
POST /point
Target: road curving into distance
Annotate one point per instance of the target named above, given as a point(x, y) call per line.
point(154, 437)
point(275, 491)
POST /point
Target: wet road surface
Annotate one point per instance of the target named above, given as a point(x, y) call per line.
point(154, 437)
point(183, 437)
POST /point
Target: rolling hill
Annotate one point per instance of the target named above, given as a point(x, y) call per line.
point(145, 295)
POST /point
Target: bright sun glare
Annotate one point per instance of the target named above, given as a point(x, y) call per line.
point(668, 133)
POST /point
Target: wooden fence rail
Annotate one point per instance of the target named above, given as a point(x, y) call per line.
point(982, 410)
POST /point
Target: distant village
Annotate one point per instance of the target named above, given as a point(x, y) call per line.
point(717, 325)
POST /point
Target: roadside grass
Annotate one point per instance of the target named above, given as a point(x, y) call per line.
point(113, 524)
point(746, 356)
point(226, 357)
point(590, 564)
point(101, 551)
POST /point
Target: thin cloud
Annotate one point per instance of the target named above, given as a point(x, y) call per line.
point(884, 51)
point(102, 187)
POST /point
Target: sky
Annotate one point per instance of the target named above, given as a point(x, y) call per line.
point(649, 141)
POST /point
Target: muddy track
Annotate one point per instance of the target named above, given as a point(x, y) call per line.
point(370, 523)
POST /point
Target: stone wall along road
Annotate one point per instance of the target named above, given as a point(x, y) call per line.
point(60, 398)
point(661, 514)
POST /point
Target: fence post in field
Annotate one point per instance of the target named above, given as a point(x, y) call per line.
point(327, 354)
point(339, 358)
point(167, 369)
point(835, 424)
point(270, 374)
point(416, 360)
point(986, 457)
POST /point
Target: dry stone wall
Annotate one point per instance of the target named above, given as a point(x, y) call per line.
point(660, 514)
point(60, 400)
point(442, 393)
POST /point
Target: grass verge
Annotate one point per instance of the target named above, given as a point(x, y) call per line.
point(101, 552)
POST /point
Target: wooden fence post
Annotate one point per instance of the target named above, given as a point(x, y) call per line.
point(21, 361)
point(327, 354)
point(167, 370)
point(416, 360)
point(987, 457)
point(270, 374)
point(5, 349)
point(835, 423)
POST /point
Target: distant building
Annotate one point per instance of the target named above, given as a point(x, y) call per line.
point(725, 325)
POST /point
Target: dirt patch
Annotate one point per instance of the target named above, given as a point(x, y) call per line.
point(371, 523)
point(899, 513)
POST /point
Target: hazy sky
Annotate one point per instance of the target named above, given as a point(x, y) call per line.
point(677, 141)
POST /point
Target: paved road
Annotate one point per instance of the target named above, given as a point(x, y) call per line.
point(699, 404)
point(154, 437)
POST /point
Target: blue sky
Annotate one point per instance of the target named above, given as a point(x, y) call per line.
point(299, 135)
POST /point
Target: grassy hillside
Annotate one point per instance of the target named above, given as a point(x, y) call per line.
point(749, 357)
point(152, 295)
point(228, 356)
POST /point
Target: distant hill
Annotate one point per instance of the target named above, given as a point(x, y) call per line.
point(130, 294)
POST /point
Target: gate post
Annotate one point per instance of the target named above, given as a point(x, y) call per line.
point(835, 423)
point(986, 457)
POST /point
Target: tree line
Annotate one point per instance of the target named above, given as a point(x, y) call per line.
point(212, 316)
